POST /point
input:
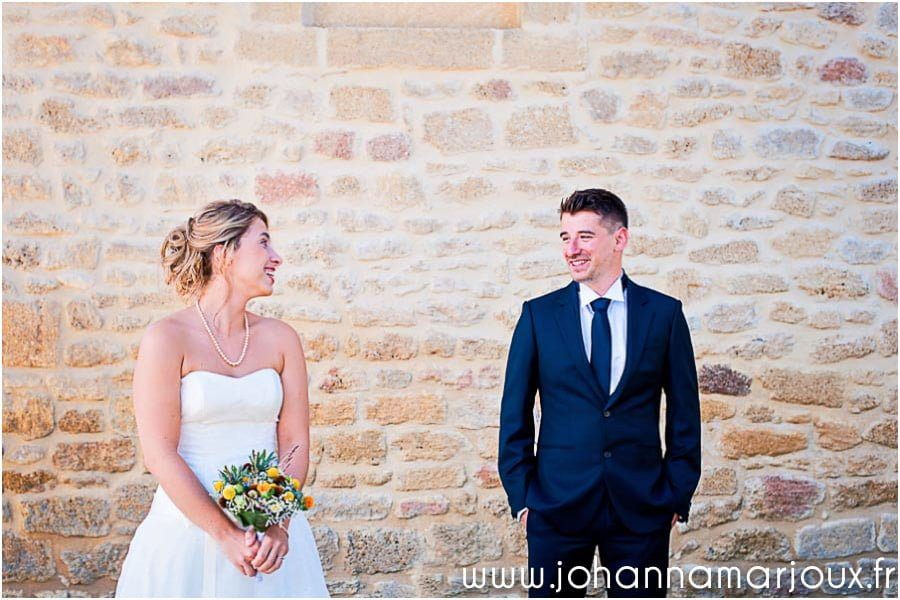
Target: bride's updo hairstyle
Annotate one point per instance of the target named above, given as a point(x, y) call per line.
point(187, 253)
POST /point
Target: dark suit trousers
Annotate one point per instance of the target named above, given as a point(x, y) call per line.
point(618, 547)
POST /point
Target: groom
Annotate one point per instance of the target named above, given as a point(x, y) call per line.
point(600, 352)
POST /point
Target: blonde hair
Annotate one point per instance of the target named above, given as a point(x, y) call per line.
point(187, 250)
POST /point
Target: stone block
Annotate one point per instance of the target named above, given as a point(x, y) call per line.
point(836, 436)
point(843, 71)
point(193, 25)
point(78, 421)
point(721, 379)
point(848, 13)
point(494, 90)
point(364, 103)
point(35, 481)
point(430, 506)
point(87, 566)
point(466, 543)
point(782, 497)
point(26, 559)
point(334, 144)
point(478, 15)
point(710, 513)
point(26, 188)
point(747, 62)
point(443, 48)
point(837, 348)
point(862, 494)
point(22, 146)
point(299, 188)
point(832, 283)
point(295, 48)
point(731, 318)
point(431, 478)
point(31, 50)
point(750, 543)
point(814, 388)
point(729, 253)
point(717, 481)
point(232, 152)
point(331, 412)
point(30, 329)
point(844, 537)
point(382, 550)
point(869, 99)
point(133, 500)
point(633, 64)
point(30, 416)
point(351, 506)
point(389, 147)
point(428, 445)
point(114, 456)
point(21, 254)
point(887, 533)
point(465, 130)
point(367, 447)
point(131, 53)
point(745, 442)
point(93, 353)
point(883, 433)
point(535, 51)
point(69, 516)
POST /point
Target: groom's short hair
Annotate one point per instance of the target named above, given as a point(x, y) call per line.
point(603, 202)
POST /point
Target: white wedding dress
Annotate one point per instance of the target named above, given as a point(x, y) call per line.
point(222, 419)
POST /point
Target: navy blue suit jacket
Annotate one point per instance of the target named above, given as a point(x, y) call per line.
point(590, 442)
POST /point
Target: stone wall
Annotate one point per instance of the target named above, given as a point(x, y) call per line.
point(411, 159)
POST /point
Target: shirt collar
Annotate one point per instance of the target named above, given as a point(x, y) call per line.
point(615, 293)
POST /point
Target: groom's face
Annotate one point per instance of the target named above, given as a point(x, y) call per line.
point(591, 246)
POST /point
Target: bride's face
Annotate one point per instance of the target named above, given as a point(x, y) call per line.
point(254, 262)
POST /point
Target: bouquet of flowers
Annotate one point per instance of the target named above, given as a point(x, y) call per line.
point(258, 494)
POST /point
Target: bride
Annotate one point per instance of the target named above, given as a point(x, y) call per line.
point(211, 383)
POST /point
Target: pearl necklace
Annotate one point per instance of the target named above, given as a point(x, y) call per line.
point(216, 342)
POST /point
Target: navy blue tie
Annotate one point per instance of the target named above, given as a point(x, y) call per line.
point(601, 343)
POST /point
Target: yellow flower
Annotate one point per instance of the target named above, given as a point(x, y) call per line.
point(295, 482)
point(308, 502)
point(288, 497)
point(229, 492)
point(218, 485)
point(272, 472)
point(263, 487)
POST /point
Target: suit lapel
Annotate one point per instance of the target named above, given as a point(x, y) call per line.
point(639, 320)
point(569, 320)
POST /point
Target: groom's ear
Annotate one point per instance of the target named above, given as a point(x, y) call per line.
point(621, 236)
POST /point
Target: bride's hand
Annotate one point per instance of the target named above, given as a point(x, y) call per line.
point(240, 547)
point(272, 550)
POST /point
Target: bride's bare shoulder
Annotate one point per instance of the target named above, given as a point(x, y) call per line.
point(276, 328)
point(171, 329)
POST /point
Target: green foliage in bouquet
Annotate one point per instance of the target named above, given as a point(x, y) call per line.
point(258, 494)
point(261, 461)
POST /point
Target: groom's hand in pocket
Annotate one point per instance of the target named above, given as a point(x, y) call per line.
point(272, 550)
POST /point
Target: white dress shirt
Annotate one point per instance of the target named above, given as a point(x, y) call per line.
point(617, 313)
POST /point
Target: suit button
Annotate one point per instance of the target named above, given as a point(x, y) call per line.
point(605, 413)
point(607, 454)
